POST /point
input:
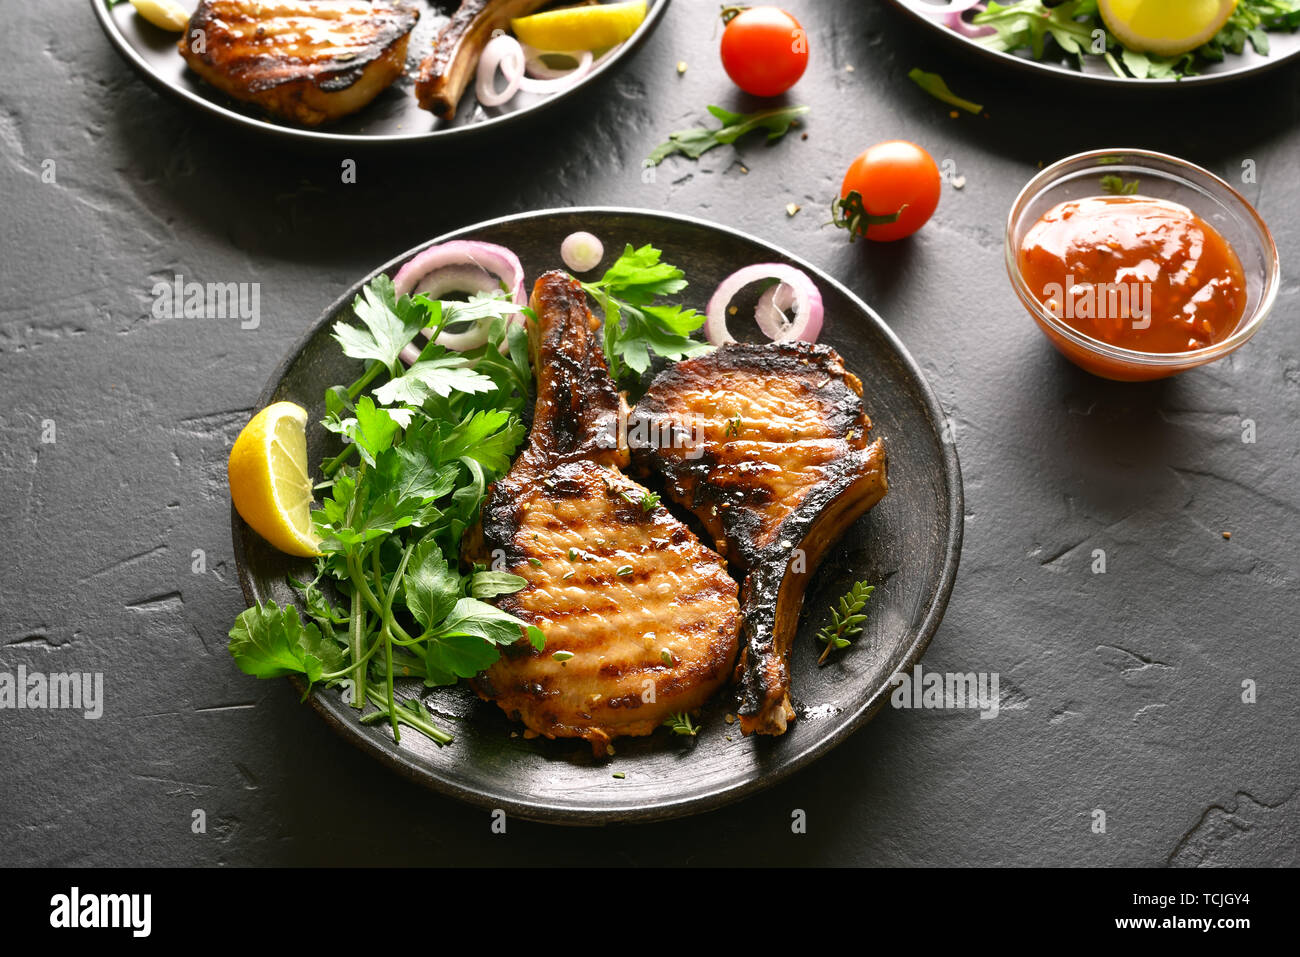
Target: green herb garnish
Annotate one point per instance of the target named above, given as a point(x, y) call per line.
point(681, 724)
point(1077, 29)
point(698, 140)
point(421, 449)
point(635, 328)
point(934, 84)
point(647, 500)
point(846, 620)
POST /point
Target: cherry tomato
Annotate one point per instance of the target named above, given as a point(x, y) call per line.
point(894, 177)
point(764, 51)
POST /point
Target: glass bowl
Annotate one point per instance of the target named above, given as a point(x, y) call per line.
point(1160, 177)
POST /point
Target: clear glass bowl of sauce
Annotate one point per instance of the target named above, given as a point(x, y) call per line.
point(1138, 265)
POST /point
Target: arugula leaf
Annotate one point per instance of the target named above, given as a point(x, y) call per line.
point(697, 141)
point(477, 618)
point(268, 641)
point(934, 84)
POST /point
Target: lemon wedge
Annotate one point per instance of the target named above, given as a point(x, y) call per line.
point(268, 476)
point(164, 14)
point(580, 28)
point(1165, 27)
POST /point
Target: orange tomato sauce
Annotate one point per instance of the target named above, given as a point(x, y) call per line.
point(1143, 274)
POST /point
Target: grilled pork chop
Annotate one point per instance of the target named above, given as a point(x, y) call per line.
point(776, 466)
point(308, 61)
point(640, 619)
point(446, 72)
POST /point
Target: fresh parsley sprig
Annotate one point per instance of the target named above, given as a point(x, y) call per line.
point(698, 140)
point(635, 328)
point(421, 448)
point(846, 620)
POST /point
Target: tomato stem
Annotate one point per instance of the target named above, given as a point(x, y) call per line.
point(731, 11)
point(851, 213)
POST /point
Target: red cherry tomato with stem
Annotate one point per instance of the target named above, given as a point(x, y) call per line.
point(764, 50)
point(897, 188)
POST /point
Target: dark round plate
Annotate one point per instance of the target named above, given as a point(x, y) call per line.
point(392, 117)
point(908, 546)
point(1283, 48)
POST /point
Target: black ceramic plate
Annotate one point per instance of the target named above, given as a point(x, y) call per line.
point(908, 545)
point(393, 116)
point(1283, 48)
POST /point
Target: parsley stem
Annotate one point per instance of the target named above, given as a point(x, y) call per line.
point(330, 466)
point(356, 637)
point(359, 582)
point(387, 636)
point(367, 377)
point(335, 675)
point(405, 716)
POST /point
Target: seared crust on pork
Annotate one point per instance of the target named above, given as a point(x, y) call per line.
point(308, 61)
point(770, 452)
point(643, 617)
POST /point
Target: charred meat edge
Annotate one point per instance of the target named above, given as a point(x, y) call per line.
point(308, 91)
point(771, 598)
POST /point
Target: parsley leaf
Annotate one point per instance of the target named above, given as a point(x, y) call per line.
point(268, 641)
point(634, 329)
point(390, 324)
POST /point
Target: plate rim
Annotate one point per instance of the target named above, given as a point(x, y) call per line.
point(1097, 79)
point(447, 135)
point(558, 811)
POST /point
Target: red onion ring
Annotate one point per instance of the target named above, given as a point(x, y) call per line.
point(502, 53)
point(955, 22)
point(803, 295)
point(489, 257)
point(461, 265)
point(951, 13)
point(551, 80)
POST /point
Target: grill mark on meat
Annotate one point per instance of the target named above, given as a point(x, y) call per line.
point(309, 62)
point(781, 466)
point(567, 492)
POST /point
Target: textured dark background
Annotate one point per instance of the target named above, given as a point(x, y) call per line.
point(1120, 691)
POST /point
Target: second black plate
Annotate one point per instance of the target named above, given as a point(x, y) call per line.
point(1284, 47)
point(393, 116)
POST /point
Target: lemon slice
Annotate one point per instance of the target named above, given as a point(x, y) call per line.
point(580, 28)
point(269, 483)
point(1165, 27)
point(164, 14)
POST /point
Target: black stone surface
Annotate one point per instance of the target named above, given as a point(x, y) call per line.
point(1120, 692)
